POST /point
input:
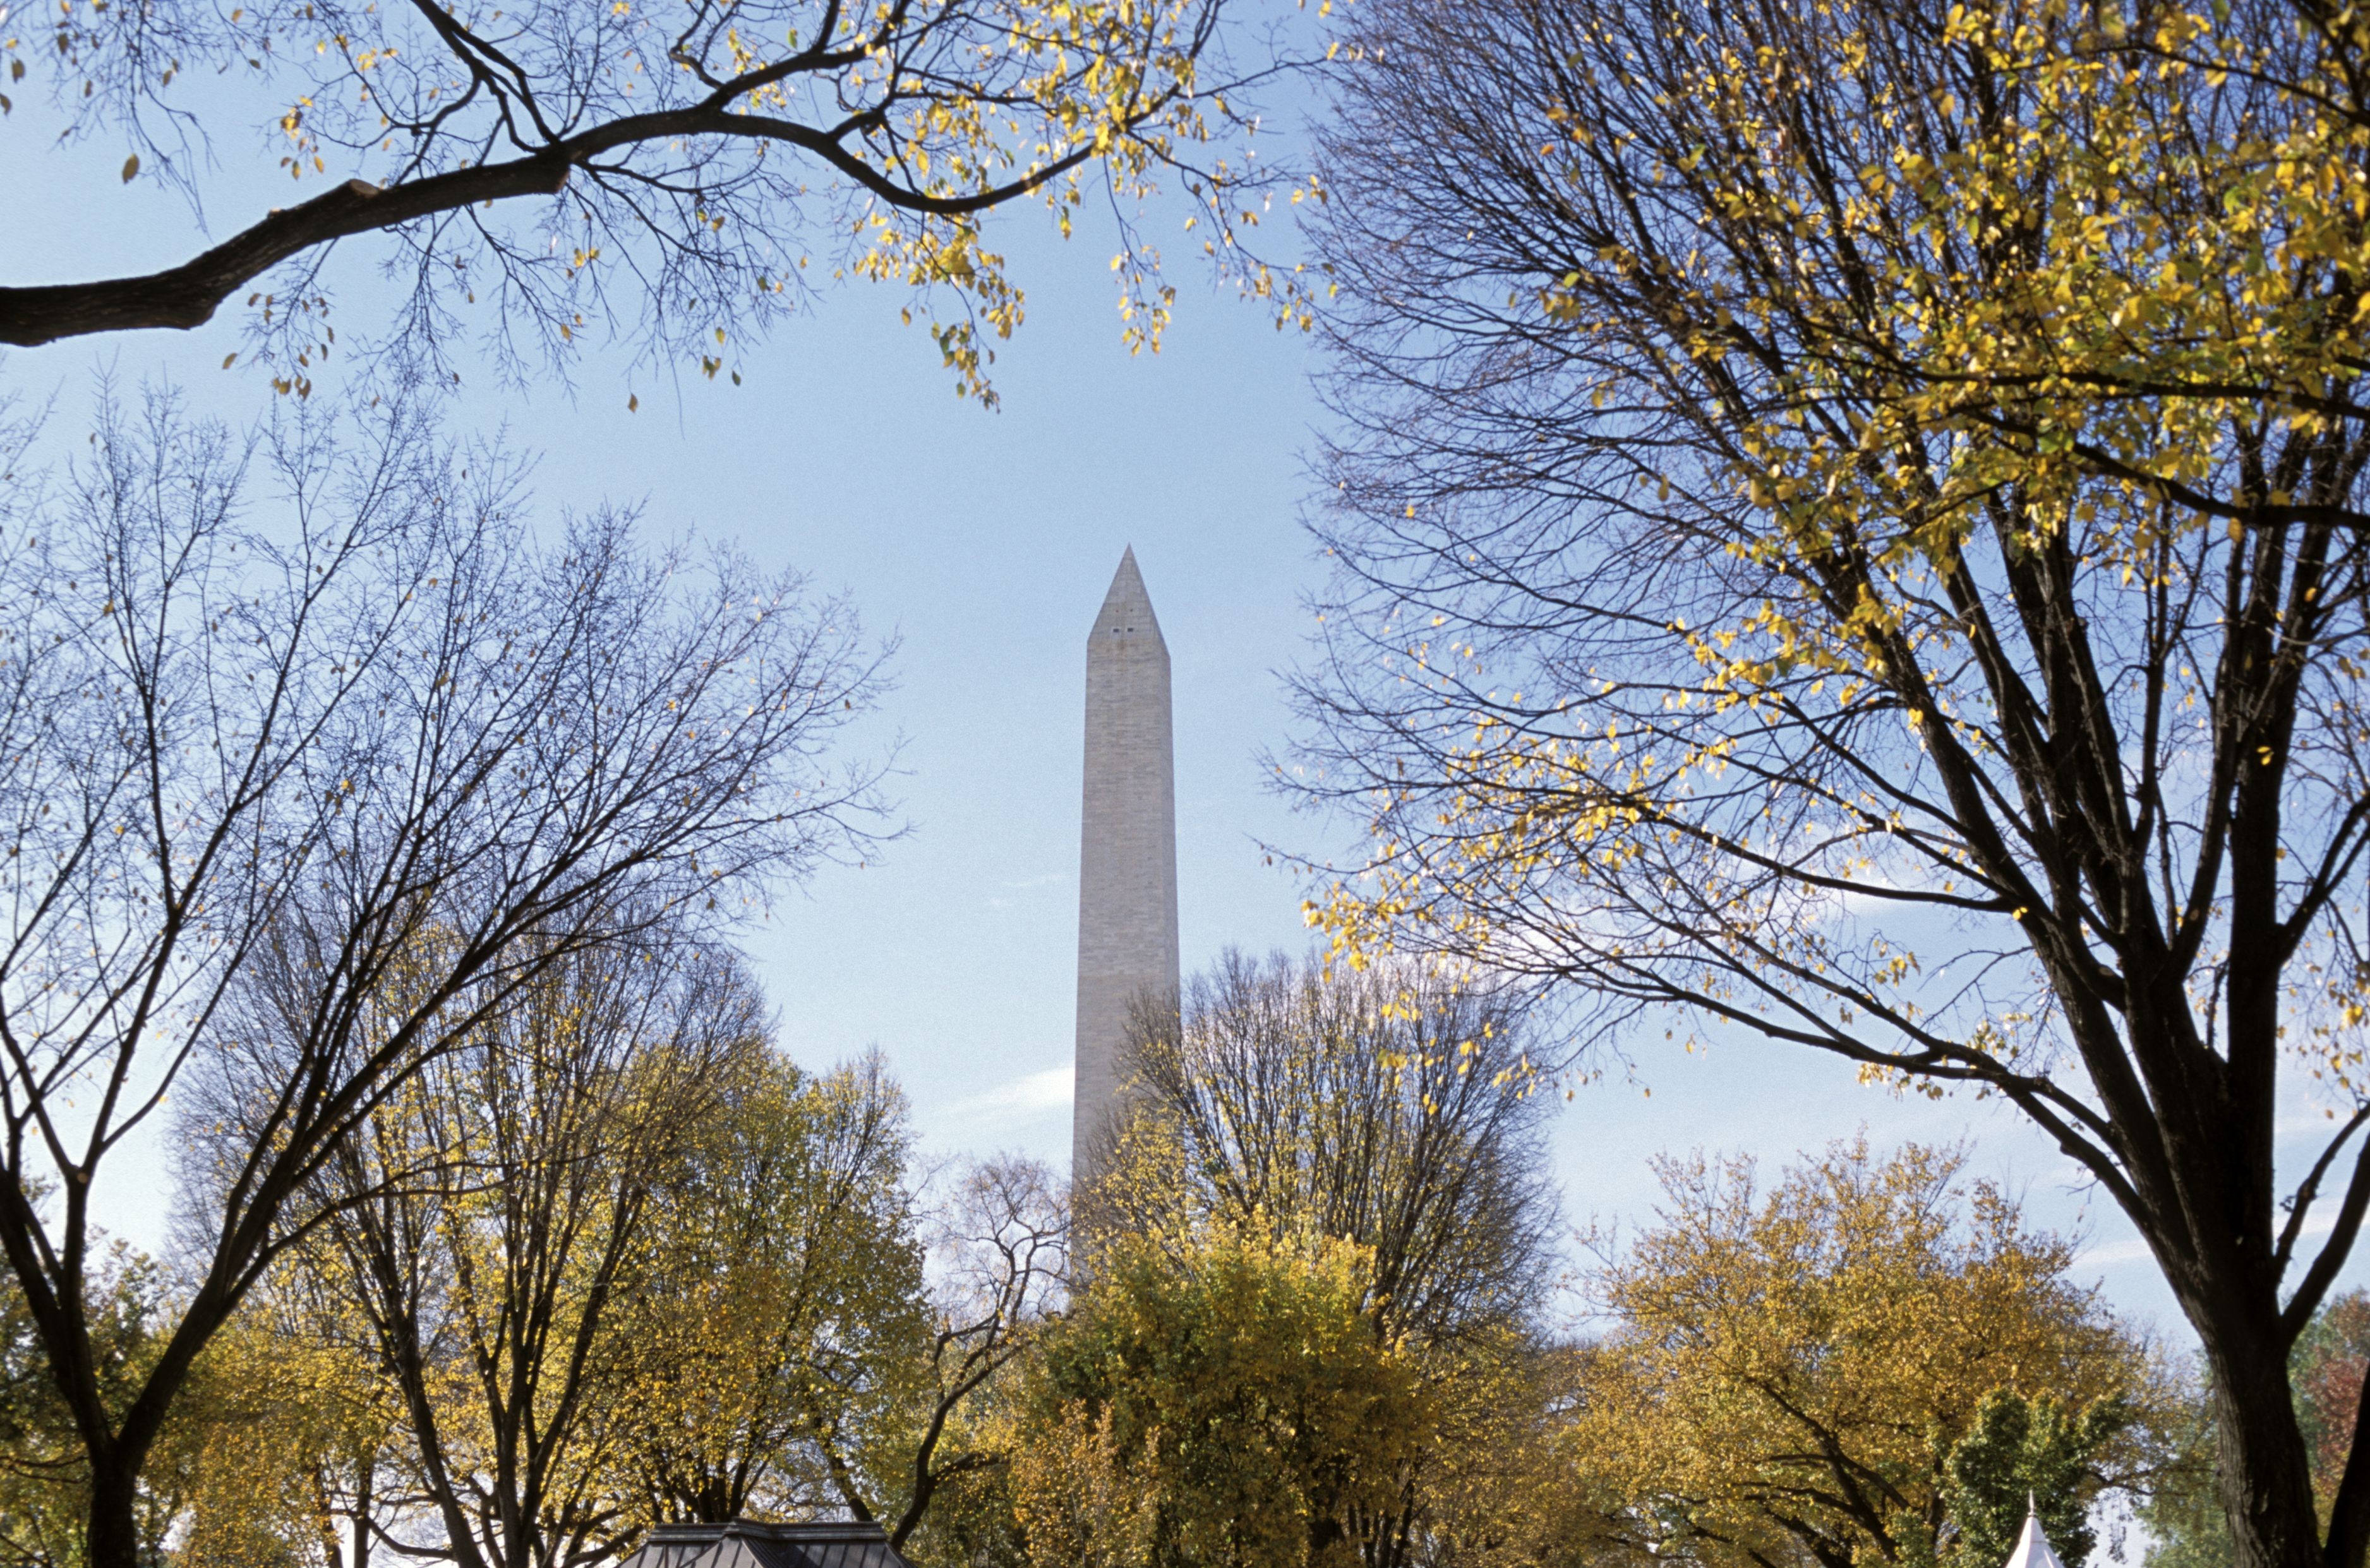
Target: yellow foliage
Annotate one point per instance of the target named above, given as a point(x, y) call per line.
point(767, 123)
point(1788, 1372)
point(1074, 1498)
point(285, 1428)
point(772, 1351)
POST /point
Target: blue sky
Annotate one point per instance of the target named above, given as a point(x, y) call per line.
point(984, 542)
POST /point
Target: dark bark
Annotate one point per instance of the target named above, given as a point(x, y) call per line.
point(1600, 284)
point(114, 1538)
point(548, 1127)
point(187, 295)
point(2267, 1481)
point(1007, 1235)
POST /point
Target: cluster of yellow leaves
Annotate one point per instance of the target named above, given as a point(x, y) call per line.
point(2080, 300)
point(1116, 78)
point(249, 1472)
point(620, 1266)
point(1788, 1370)
point(286, 1427)
point(918, 122)
point(778, 1329)
point(1076, 1498)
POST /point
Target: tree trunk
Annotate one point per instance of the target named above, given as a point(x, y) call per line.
point(114, 1539)
point(2263, 1472)
point(362, 1513)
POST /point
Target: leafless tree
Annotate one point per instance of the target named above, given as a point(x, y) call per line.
point(1001, 1247)
point(313, 704)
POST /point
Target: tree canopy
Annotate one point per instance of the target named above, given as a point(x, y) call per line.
point(772, 1336)
point(1849, 535)
point(1383, 1125)
point(487, 1226)
point(1871, 1361)
point(614, 1263)
point(1219, 1407)
point(301, 789)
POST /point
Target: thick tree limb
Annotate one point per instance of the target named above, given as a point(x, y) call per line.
point(187, 296)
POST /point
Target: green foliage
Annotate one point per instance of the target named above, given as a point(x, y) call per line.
point(2186, 1526)
point(44, 1479)
point(715, 1307)
point(305, 999)
point(1223, 1401)
point(2035, 1450)
point(1783, 447)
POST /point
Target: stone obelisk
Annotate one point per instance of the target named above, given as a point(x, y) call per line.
point(1127, 852)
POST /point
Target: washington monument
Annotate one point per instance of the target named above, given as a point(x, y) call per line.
point(1127, 852)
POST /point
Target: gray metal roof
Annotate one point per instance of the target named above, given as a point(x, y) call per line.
point(745, 1544)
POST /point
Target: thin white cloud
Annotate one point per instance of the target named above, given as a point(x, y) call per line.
point(1030, 1095)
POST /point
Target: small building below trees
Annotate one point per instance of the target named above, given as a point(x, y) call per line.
point(746, 1544)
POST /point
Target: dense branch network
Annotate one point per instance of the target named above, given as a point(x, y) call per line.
point(383, 766)
point(1850, 534)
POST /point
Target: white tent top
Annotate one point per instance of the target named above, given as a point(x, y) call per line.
point(2032, 1548)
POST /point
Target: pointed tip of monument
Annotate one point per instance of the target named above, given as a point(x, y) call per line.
point(1127, 608)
